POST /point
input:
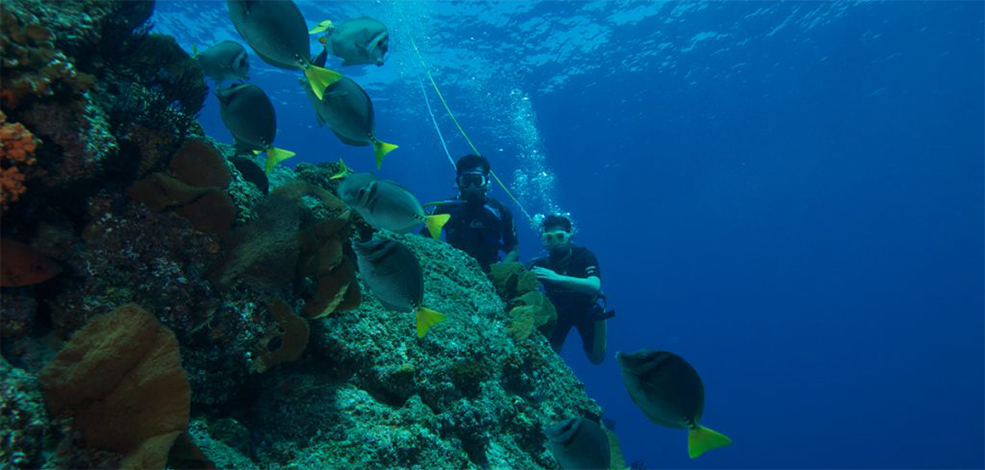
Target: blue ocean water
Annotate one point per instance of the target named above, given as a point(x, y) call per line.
point(789, 195)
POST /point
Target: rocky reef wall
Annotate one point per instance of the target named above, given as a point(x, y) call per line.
point(115, 206)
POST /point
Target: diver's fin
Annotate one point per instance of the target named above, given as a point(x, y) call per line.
point(426, 318)
point(323, 26)
point(380, 149)
point(434, 224)
point(320, 79)
point(701, 439)
point(343, 170)
point(275, 155)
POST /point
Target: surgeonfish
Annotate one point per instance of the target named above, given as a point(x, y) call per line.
point(394, 275)
point(387, 205)
point(356, 41)
point(276, 31)
point(249, 115)
point(670, 393)
point(579, 443)
point(348, 112)
point(21, 265)
point(224, 61)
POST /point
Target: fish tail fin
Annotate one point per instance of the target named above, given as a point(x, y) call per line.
point(426, 318)
point(323, 26)
point(701, 439)
point(380, 149)
point(275, 155)
point(343, 170)
point(194, 51)
point(434, 224)
point(320, 79)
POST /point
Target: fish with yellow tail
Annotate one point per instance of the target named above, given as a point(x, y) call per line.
point(276, 31)
point(386, 205)
point(348, 111)
point(670, 393)
point(393, 274)
point(249, 115)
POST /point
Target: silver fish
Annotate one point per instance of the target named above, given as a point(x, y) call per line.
point(669, 391)
point(579, 444)
point(224, 61)
point(387, 205)
point(394, 275)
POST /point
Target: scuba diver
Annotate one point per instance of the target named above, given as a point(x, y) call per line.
point(479, 225)
point(572, 280)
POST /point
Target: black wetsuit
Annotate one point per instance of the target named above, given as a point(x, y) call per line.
point(573, 308)
point(482, 231)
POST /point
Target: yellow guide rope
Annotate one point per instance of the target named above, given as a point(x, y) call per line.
point(462, 131)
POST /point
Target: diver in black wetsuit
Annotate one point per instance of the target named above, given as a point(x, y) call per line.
point(479, 225)
point(572, 280)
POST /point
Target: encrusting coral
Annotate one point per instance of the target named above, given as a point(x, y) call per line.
point(196, 191)
point(287, 342)
point(298, 235)
point(17, 146)
point(120, 380)
point(23, 420)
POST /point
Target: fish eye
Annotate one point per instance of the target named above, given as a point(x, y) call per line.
point(38, 267)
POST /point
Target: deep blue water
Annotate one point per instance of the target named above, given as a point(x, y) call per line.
point(790, 195)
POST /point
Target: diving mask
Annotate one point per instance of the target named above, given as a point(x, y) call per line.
point(555, 238)
point(472, 180)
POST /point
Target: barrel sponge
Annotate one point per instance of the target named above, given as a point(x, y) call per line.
point(120, 378)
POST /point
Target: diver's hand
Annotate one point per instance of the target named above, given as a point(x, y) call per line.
point(545, 274)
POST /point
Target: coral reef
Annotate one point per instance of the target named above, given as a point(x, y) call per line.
point(254, 311)
point(285, 343)
point(512, 280)
point(17, 146)
point(297, 236)
point(224, 441)
point(194, 189)
point(529, 309)
point(463, 396)
point(120, 380)
point(23, 420)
